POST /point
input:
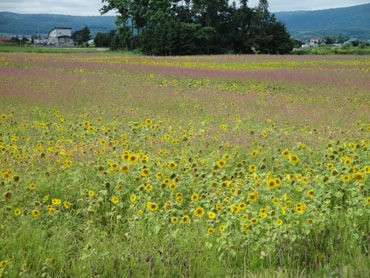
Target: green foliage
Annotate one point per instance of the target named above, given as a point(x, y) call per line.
point(199, 27)
point(82, 36)
point(102, 40)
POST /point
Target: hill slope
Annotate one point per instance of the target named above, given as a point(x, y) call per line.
point(28, 24)
point(351, 21)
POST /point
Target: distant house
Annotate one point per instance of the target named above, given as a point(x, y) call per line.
point(60, 37)
point(41, 41)
point(314, 42)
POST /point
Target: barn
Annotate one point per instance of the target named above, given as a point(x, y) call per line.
point(61, 37)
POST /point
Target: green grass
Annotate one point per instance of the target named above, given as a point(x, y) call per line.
point(330, 50)
point(45, 49)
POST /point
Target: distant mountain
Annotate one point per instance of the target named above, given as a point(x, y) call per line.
point(351, 21)
point(29, 24)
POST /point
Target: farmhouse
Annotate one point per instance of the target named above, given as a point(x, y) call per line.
point(315, 42)
point(60, 37)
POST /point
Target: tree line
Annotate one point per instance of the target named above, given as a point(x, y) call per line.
point(185, 27)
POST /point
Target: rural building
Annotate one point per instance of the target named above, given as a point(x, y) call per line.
point(60, 37)
point(315, 42)
point(5, 39)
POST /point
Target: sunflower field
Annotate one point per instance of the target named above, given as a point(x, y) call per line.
point(117, 165)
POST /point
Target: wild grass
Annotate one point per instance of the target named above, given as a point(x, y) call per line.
point(45, 49)
point(132, 166)
point(333, 50)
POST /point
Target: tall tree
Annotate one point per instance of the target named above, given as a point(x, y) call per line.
point(82, 36)
point(263, 10)
point(209, 12)
point(169, 27)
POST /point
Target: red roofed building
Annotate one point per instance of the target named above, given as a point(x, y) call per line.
point(5, 39)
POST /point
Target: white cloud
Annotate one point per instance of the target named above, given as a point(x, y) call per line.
point(70, 7)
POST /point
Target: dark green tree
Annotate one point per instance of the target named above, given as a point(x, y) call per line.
point(109, 39)
point(268, 36)
point(101, 40)
point(176, 27)
point(82, 36)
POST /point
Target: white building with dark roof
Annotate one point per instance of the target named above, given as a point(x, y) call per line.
point(60, 37)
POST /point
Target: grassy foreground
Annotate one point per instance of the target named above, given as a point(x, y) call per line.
point(131, 166)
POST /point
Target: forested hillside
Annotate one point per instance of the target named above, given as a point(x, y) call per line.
point(351, 21)
point(30, 24)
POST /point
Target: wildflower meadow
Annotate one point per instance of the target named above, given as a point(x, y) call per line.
point(117, 165)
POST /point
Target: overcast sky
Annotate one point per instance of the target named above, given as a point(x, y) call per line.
point(91, 7)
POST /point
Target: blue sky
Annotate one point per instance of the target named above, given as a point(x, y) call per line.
point(91, 7)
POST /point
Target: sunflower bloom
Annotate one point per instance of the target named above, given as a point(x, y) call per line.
point(253, 196)
point(199, 212)
point(194, 197)
point(173, 186)
point(294, 158)
point(211, 231)
point(310, 193)
point(115, 200)
point(4, 263)
point(285, 153)
point(279, 222)
point(172, 165)
point(234, 208)
point(152, 206)
point(133, 159)
point(359, 177)
point(148, 187)
point(125, 169)
point(345, 178)
point(242, 206)
point(66, 204)
point(17, 212)
point(132, 198)
point(185, 219)
point(254, 221)
point(145, 172)
point(36, 213)
point(271, 184)
point(179, 198)
point(252, 168)
point(51, 210)
point(300, 208)
point(221, 163)
point(211, 215)
point(56, 201)
point(91, 193)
